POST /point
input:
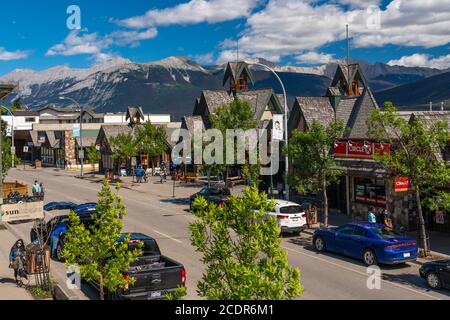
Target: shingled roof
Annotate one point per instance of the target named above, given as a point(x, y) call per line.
point(212, 100)
point(109, 131)
point(363, 108)
point(431, 117)
point(234, 71)
point(349, 72)
point(132, 112)
point(312, 109)
point(188, 122)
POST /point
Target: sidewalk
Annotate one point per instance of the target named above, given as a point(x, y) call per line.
point(8, 288)
point(439, 242)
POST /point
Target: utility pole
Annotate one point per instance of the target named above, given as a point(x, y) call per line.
point(431, 106)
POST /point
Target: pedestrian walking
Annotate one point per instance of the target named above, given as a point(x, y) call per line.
point(280, 188)
point(371, 217)
point(16, 259)
point(36, 188)
point(139, 174)
point(387, 220)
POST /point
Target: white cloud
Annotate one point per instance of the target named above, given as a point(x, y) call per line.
point(314, 58)
point(12, 55)
point(80, 42)
point(422, 60)
point(194, 11)
point(295, 27)
point(76, 43)
point(203, 59)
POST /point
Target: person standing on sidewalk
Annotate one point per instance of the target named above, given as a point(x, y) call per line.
point(16, 257)
point(36, 188)
point(371, 217)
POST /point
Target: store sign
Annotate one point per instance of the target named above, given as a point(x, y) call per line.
point(360, 149)
point(440, 217)
point(25, 149)
point(22, 211)
point(401, 184)
point(277, 130)
point(76, 130)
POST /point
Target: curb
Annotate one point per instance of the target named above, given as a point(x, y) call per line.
point(59, 294)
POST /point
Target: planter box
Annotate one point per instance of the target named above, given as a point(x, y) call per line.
point(9, 187)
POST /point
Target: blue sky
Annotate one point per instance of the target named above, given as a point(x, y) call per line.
point(34, 34)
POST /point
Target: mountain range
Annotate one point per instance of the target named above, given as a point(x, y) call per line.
point(172, 85)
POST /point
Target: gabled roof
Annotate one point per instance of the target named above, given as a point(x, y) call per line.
point(365, 104)
point(312, 109)
point(109, 131)
point(349, 73)
point(259, 99)
point(214, 100)
point(333, 92)
point(6, 89)
point(235, 69)
point(133, 112)
point(188, 122)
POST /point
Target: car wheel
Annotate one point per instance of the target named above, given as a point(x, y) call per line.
point(59, 251)
point(369, 258)
point(319, 244)
point(433, 280)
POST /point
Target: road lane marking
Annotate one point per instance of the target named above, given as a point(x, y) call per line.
point(167, 236)
point(360, 273)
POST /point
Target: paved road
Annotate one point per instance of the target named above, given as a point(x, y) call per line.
point(152, 210)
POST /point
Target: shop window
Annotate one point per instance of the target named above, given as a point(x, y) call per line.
point(30, 119)
point(370, 191)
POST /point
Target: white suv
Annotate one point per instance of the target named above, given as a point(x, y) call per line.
point(291, 216)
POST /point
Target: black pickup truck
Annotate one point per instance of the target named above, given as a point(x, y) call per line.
point(154, 274)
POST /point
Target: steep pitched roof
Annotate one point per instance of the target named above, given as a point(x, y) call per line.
point(132, 112)
point(317, 109)
point(212, 100)
point(259, 99)
point(109, 131)
point(188, 122)
point(365, 104)
point(350, 73)
point(345, 108)
point(234, 70)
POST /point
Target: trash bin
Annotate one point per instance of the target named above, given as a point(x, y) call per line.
point(37, 164)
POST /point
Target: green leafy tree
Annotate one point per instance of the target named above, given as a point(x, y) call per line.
point(6, 149)
point(241, 251)
point(151, 139)
point(415, 155)
point(97, 250)
point(93, 154)
point(314, 166)
point(236, 115)
point(124, 147)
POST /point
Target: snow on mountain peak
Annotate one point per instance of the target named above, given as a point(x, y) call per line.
point(182, 63)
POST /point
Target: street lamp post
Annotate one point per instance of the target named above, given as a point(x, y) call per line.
point(285, 122)
point(81, 152)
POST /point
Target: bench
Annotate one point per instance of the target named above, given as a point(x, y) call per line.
point(191, 177)
point(234, 181)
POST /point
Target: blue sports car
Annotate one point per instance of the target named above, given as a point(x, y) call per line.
point(371, 242)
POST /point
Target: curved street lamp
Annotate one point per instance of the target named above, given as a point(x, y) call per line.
point(285, 121)
point(81, 131)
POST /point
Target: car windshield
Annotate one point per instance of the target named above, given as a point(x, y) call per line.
point(291, 209)
point(384, 233)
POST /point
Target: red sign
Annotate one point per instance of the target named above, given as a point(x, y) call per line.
point(401, 184)
point(360, 149)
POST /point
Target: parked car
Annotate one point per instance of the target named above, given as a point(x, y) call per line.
point(217, 195)
point(436, 273)
point(371, 242)
point(56, 228)
point(52, 206)
point(291, 216)
point(154, 274)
